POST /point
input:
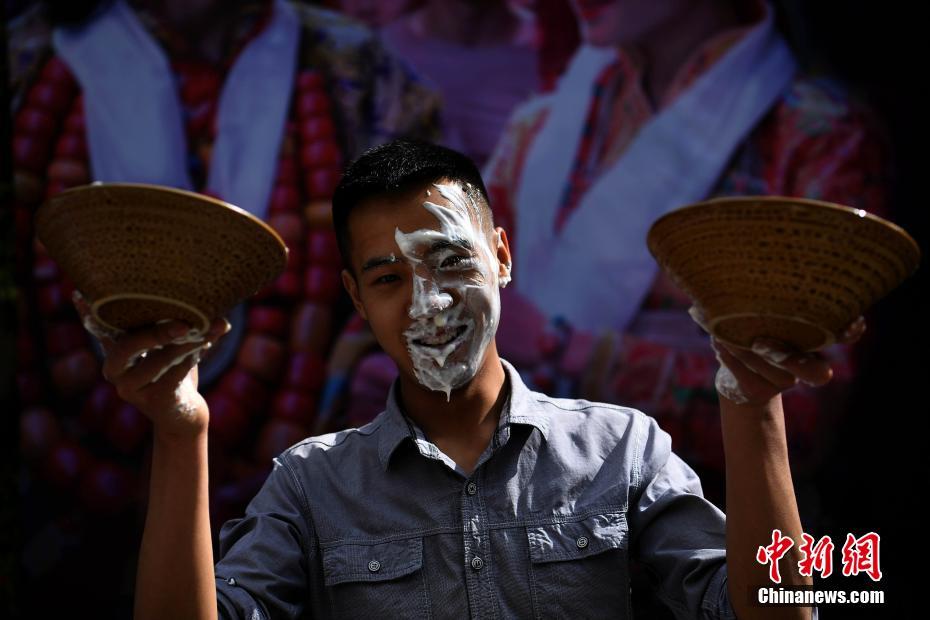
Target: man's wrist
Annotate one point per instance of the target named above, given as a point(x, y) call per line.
point(769, 409)
point(173, 439)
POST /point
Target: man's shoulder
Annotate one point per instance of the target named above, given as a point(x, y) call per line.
point(347, 443)
point(571, 416)
point(554, 404)
point(594, 438)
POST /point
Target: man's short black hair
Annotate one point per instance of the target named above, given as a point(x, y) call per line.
point(398, 167)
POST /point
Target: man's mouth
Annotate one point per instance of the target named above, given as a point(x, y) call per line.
point(441, 337)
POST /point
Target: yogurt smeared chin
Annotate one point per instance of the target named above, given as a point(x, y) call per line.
point(431, 363)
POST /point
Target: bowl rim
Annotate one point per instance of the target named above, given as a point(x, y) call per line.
point(724, 200)
point(151, 187)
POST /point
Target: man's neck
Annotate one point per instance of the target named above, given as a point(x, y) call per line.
point(462, 426)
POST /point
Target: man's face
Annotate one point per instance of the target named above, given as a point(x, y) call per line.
point(428, 273)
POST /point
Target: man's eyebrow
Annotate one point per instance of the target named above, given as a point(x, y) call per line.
point(457, 243)
point(379, 261)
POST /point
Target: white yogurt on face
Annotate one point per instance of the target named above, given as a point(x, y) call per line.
point(455, 304)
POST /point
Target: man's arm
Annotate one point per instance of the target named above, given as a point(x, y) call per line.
point(676, 535)
point(760, 499)
point(175, 574)
point(155, 370)
point(760, 493)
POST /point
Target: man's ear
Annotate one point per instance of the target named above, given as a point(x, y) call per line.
point(503, 256)
point(351, 285)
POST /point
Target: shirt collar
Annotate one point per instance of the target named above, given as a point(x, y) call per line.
point(519, 408)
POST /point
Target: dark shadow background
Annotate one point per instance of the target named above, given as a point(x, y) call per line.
point(874, 478)
point(872, 481)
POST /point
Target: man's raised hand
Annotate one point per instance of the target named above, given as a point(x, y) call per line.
point(155, 370)
point(755, 377)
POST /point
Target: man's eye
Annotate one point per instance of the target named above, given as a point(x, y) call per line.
point(386, 279)
point(456, 260)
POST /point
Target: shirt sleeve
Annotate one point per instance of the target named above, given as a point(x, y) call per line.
point(266, 556)
point(677, 535)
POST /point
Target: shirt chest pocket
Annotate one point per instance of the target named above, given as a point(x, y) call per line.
point(580, 568)
point(383, 579)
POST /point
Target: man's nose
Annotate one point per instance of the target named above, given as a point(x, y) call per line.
point(428, 299)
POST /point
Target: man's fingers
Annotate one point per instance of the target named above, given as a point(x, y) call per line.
point(132, 346)
point(809, 368)
point(157, 363)
point(104, 335)
point(218, 328)
point(175, 374)
point(697, 315)
point(80, 304)
point(766, 367)
point(749, 385)
point(853, 332)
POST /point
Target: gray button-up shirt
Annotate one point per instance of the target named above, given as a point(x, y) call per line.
point(378, 522)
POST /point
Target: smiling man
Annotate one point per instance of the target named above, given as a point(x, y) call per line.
point(470, 495)
point(456, 270)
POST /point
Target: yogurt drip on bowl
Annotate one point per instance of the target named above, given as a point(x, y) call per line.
point(456, 301)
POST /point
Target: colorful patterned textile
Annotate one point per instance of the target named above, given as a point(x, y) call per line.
point(86, 463)
point(816, 142)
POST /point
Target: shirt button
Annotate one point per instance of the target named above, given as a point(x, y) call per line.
point(374, 566)
point(582, 542)
point(477, 563)
point(471, 488)
point(231, 581)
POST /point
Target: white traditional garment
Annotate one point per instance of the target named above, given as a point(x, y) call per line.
point(473, 114)
point(596, 271)
point(135, 131)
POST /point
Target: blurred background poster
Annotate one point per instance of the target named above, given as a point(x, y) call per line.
point(555, 100)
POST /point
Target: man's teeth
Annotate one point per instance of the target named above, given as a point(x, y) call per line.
point(442, 338)
point(435, 341)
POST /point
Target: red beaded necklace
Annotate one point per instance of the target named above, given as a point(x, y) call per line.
point(271, 389)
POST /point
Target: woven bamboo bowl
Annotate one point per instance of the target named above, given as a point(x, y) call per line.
point(141, 254)
point(795, 270)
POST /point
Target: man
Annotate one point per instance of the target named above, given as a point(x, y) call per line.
point(470, 495)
